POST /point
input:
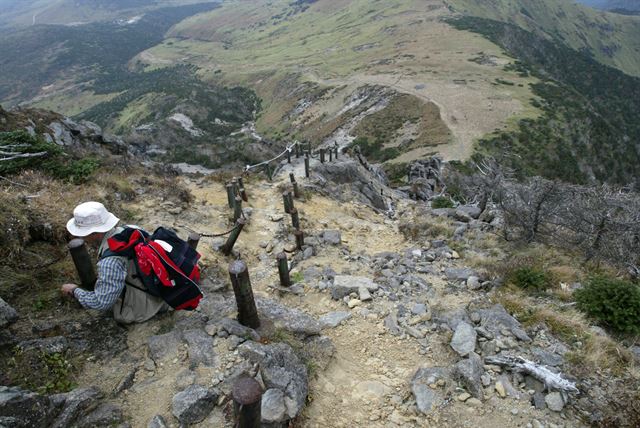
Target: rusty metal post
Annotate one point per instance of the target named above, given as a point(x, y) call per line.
point(234, 183)
point(295, 219)
point(193, 240)
point(84, 265)
point(237, 208)
point(283, 269)
point(306, 165)
point(299, 239)
point(247, 311)
point(243, 195)
point(247, 402)
point(233, 237)
point(230, 195)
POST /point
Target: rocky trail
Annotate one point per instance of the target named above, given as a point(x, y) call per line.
point(379, 329)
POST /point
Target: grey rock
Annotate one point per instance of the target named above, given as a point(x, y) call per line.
point(453, 318)
point(75, 403)
point(290, 319)
point(508, 386)
point(496, 318)
point(427, 399)
point(273, 408)
point(157, 422)
point(464, 339)
point(458, 274)
point(554, 401)
point(126, 382)
point(334, 319)
point(343, 285)
point(21, 408)
point(419, 309)
point(307, 253)
point(332, 237)
point(164, 346)
point(364, 294)
point(534, 384)
point(391, 323)
point(470, 211)
point(105, 415)
point(280, 368)
point(200, 348)
point(193, 404)
point(8, 315)
point(318, 350)
point(538, 401)
point(185, 378)
point(233, 327)
point(547, 358)
point(48, 345)
point(469, 372)
point(473, 283)
point(635, 350)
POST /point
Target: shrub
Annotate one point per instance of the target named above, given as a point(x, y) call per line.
point(613, 302)
point(441, 202)
point(530, 278)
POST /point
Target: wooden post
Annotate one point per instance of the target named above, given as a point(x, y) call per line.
point(296, 190)
point(289, 156)
point(295, 219)
point(247, 402)
point(230, 195)
point(283, 269)
point(233, 237)
point(330, 155)
point(287, 201)
point(337, 152)
point(237, 208)
point(321, 155)
point(299, 239)
point(83, 263)
point(306, 166)
point(240, 183)
point(297, 150)
point(234, 183)
point(247, 311)
point(193, 240)
point(292, 178)
point(267, 170)
point(243, 195)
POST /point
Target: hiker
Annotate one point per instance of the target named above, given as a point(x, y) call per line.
point(118, 286)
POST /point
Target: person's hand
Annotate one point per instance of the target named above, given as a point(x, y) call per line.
point(67, 289)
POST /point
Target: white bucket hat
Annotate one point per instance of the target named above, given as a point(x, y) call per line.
point(91, 217)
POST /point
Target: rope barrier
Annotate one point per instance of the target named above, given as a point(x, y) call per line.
point(288, 149)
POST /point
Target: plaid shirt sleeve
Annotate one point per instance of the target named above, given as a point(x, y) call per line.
point(112, 272)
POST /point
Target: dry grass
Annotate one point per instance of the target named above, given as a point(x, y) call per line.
point(590, 352)
point(422, 227)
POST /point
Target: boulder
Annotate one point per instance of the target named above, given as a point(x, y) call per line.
point(287, 318)
point(469, 372)
point(464, 339)
point(318, 350)
point(468, 211)
point(105, 415)
point(48, 345)
point(74, 404)
point(496, 318)
point(280, 368)
point(164, 346)
point(157, 422)
point(19, 408)
point(193, 404)
point(459, 274)
point(332, 237)
point(8, 315)
point(233, 327)
point(423, 387)
point(554, 401)
point(343, 285)
point(273, 408)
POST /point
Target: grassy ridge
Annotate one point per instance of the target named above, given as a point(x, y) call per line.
point(610, 38)
point(589, 128)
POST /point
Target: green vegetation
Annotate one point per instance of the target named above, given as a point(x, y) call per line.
point(441, 202)
point(297, 277)
point(42, 372)
point(530, 278)
point(589, 126)
point(613, 302)
point(47, 157)
point(375, 150)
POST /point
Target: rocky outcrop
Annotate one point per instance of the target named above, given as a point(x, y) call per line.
point(346, 180)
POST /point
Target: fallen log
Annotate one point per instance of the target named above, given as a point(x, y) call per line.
point(550, 379)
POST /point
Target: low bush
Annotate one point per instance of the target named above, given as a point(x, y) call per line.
point(530, 278)
point(441, 202)
point(613, 302)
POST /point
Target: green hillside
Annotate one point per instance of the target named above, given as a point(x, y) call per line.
point(610, 38)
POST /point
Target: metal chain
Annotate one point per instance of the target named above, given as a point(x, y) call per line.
point(211, 235)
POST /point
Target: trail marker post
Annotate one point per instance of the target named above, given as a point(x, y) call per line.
point(193, 240)
point(247, 311)
point(227, 248)
point(283, 269)
point(83, 263)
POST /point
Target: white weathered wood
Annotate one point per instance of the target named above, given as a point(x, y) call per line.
point(551, 380)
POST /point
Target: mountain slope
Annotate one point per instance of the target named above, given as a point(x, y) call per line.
point(19, 13)
point(610, 38)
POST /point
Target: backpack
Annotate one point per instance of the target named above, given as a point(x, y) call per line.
point(165, 264)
